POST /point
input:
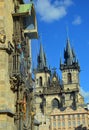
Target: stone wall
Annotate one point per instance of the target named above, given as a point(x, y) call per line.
point(7, 97)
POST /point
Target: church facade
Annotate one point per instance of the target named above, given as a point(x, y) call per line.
point(53, 93)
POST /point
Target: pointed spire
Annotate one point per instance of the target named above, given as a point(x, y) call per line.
point(68, 48)
point(68, 44)
point(41, 58)
point(69, 58)
point(68, 55)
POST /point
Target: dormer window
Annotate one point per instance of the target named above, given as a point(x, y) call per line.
point(69, 78)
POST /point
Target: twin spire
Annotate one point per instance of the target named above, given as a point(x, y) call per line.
point(69, 57)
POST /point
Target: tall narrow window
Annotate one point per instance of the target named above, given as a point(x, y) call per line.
point(54, 124)
point(69, 123)
point(40, 81)
point(63, 124)
point(69, 78)
point(59, 124)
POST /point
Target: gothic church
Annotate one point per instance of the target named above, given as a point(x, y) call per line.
point(52, 92)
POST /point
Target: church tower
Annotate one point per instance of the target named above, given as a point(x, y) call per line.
point(42, 73)
point(70, 69)
point(42, 78)
point(70, 76)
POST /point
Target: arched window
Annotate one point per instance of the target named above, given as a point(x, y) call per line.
point(40, 81)
point(55, 103)
point(69, 78)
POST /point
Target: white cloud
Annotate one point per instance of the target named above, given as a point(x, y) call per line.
point(77, 21)
point(50, 10)
point(85, 94)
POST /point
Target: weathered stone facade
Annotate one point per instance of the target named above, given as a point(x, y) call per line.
point(7, 97)
point(15, 77)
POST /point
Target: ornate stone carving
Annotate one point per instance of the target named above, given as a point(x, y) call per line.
point(13, 83)
point(2, 36)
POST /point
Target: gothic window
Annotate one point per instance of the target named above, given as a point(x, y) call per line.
point(40, 81)
point(69, 78)
point(55, 103)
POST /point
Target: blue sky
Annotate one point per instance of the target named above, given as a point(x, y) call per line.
point(55, 19)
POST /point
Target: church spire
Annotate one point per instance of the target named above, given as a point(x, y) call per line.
point(70, 60)
point(68, 54)
point(41, 59)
